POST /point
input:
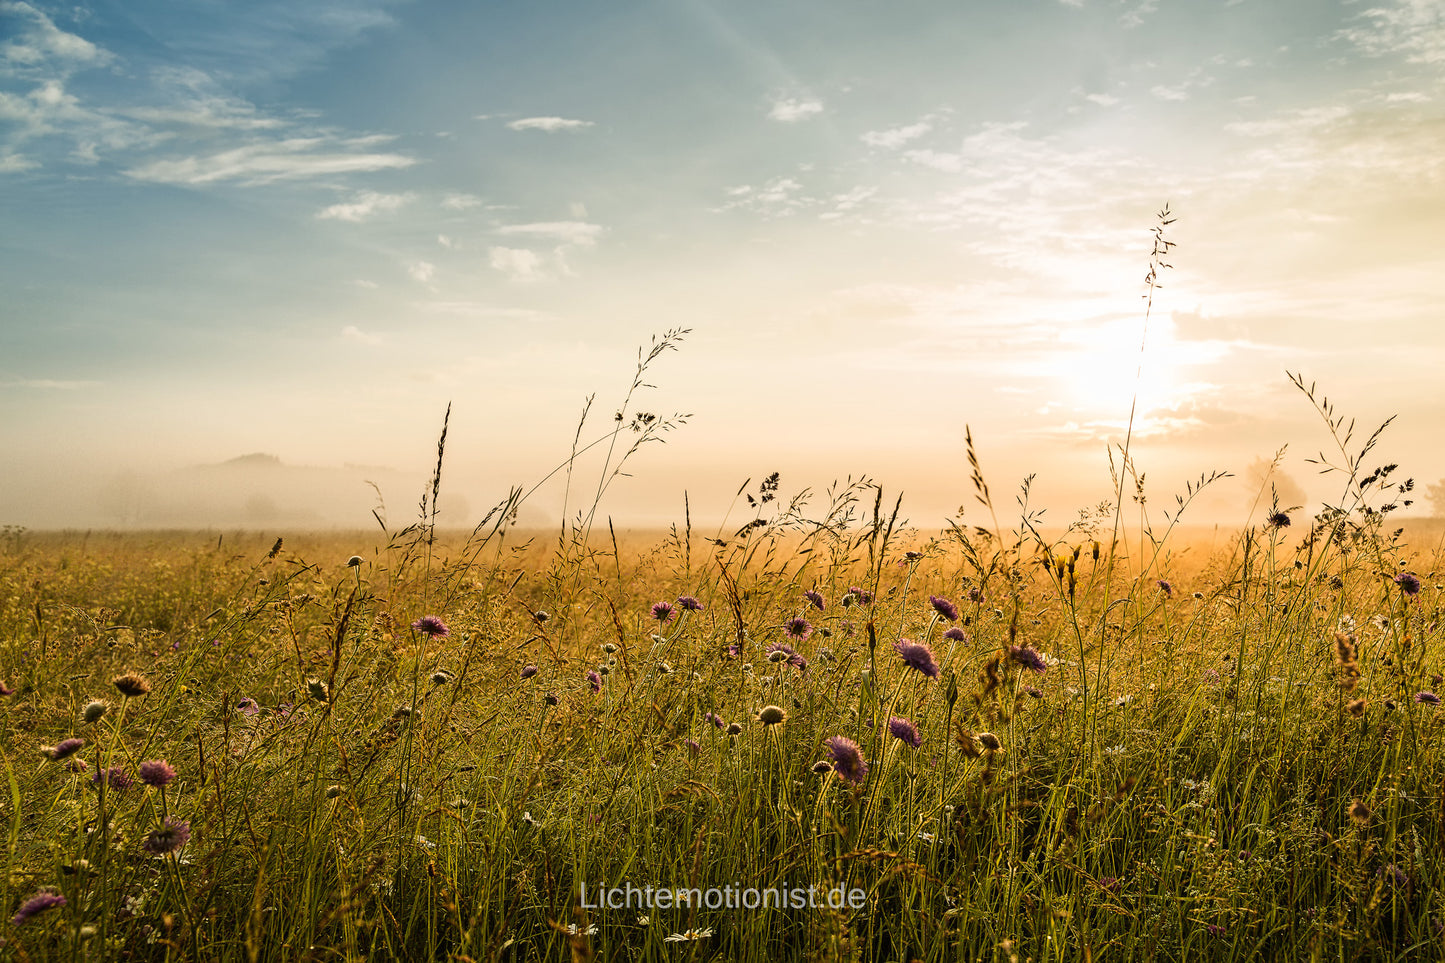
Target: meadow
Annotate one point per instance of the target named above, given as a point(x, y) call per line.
point(982, 743)
point(814, 733)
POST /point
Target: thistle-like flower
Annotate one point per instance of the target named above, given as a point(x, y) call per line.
point(772, 715)
point(64, 748)
point(944, 607)
point(918, 656)
point(36, 905)
point(797, 629)
point(168, 838)
point(848, 761)
point(156, 772)
point(905, 731)
point(131, 685)
point(432, 627)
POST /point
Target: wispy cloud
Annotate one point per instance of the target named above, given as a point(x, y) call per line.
point(548, 124)
point(47, 384)
point(1414, 28)
point(365, 205)
point(579, 233)
point(295, 158)
point(938, 160)
point(461, 202)
point(1135, 16)
point(778, 197)
point(1103, 100)
point(40, 45)
point(352, 333)
point(896, 137)
point(519, 264)
point(422, 271)
point(791, 110)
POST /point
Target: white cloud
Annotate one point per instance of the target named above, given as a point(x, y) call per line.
point(368, 285)
point(578, 233)
point(1310, 118)
point(422, 271)
point(365, 205)
point(1103, 100)
point(446, 242)
point(791, 110)
point(938, 160)
point(47, 384)
point(295, 158)
point(353, 333)
point(1135, 17)
point(461, 202)
point(548, 124)
point(1415, 28)
point(518, 263)
point(1170, 93)
point(43, 41)
point(898, 136)
point(11, 163)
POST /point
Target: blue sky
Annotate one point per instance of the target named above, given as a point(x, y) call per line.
point(304, 228)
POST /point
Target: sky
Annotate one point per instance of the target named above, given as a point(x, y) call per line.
point(304, 229)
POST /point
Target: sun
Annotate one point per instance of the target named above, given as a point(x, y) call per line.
point(1102, 370)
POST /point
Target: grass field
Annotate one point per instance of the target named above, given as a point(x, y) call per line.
point(971, 745)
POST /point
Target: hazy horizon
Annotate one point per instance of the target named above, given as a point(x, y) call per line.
point(304, 231)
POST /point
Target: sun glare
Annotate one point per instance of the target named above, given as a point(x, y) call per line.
point(1096, 371)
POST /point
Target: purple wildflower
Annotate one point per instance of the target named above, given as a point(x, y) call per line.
point(975, 595)
point(5, 690)
point(1028, 657)
point(63, 748)
point(798, 628)
point(36, 905)
point(714, 718)
point(169, 838)
point(956, 634)
point(848, 761)
point(1427, 698)
point(156, 772)
point(790, 656)
point(663, 611)
point(734, 651)
point(1393, 875)
point(114, 778)
point(594, 680)
point(905, 731)
point(917, 656)
point(944, 607)
point(528, 671)
point(692, 747)
point(689, 604)
point(1277, 520)
point(1110, 884)
point(248, 706)
point(1165, 587)
point(863, 596)
point(1409, 583)
point(1214, 929)
point(431, 626)
point(814, 599)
